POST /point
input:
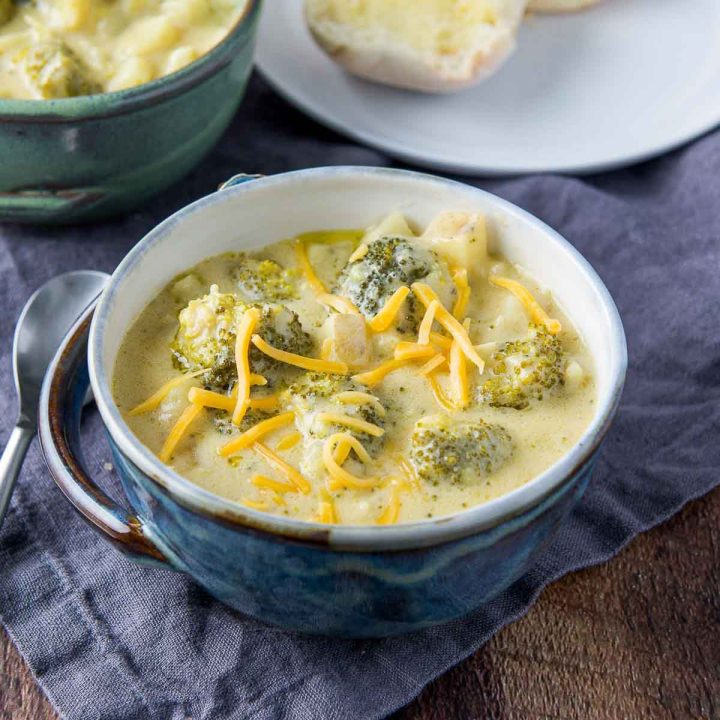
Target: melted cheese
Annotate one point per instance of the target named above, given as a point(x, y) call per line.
point(188, 416)
point(536, 313)
point(451, 324)
point(293, 475)
point(249, 320)
point(351, 422)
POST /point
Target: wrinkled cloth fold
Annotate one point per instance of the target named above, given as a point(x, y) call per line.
point(110, 640)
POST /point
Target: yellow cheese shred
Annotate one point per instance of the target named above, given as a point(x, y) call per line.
point(387, 314)
point(293, 475)
point(432, 364)
point(356, 397)
point(255, 433)
point(389, 516)
point(427, 322)
point(307, 269)
point(159, 395)
point(326, 513)
point(409, 472)
point(289, 441)
point(339, 303)
point(340, 478)
point(265, 483)
point(187, 417)
point(426, 295)
point(413, 351)
point(359, 253)
point(373, 377)
point(351, 422)
point(255, 504)
point(536, 313)
point(327, 348)
point(460, 279)
point(458, 375)
point(442, 341)
point(210, 399)
point(440, 396)
point(248, 321)
point(306, 363)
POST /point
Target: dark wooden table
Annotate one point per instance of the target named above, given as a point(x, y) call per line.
point(636, 638)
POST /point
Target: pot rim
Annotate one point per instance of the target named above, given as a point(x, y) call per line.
point(357, 537)
point(119, 102)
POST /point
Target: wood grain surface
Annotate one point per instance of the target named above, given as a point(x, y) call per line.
point(636, 638)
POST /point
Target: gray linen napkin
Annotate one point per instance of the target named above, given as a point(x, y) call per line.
point(109, 640)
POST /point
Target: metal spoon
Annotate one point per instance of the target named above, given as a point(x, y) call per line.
point(44, 321)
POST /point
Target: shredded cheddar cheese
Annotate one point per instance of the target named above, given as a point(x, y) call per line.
point(432, 364)
point(440, 396)
point(351, 422)
point(210, 399)
point(536, 313)
point(340, 478)
point(460, 279)
point(187, 417)
point(293, 475)
point(451, 324)
point(326, 349)
point(159, 395)
point(265, 483)
point(409, 472)
point(339, 303)
point(306, 363)
point(356, 397)
point(307, 269)
point(248, 321)
point(359, 253)
point(387, 314)
point(373, 377)
point(255, 433)
point(289, 441)
point(390, 514)
point(427, 322)
point(442, 341)
point(413, 351)
point(458, 375)
point(256, 504)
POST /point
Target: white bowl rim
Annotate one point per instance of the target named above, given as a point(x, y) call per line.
point(402, 536)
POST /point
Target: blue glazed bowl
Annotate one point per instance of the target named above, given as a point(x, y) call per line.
point(83, 158)
point(355, 581)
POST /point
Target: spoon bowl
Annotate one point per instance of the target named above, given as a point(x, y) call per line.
point(44, 321)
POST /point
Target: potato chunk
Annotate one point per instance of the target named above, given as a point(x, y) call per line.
point(350, 340)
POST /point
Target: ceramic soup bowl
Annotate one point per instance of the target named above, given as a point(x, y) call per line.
point(82, 158)
point(348, 581)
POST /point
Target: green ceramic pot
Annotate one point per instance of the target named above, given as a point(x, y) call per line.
point(85, 158)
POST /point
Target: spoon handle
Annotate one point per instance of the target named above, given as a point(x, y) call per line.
point(10, 464)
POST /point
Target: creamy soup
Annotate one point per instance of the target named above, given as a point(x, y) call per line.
point(64, 48)
point(358, 377)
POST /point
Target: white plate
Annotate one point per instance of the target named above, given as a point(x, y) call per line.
point(589, 91)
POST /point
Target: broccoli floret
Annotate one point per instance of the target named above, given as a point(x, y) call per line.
point(523, 370)
point(222, 420)
point(206, 338)
point(263, 280)
point(56, 72)
point(389, 263)
point(7, 10)
point(443, 449)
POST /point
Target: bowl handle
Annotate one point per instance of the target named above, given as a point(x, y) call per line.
point(238, 179)
point(61, 402)
point(45, 205)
